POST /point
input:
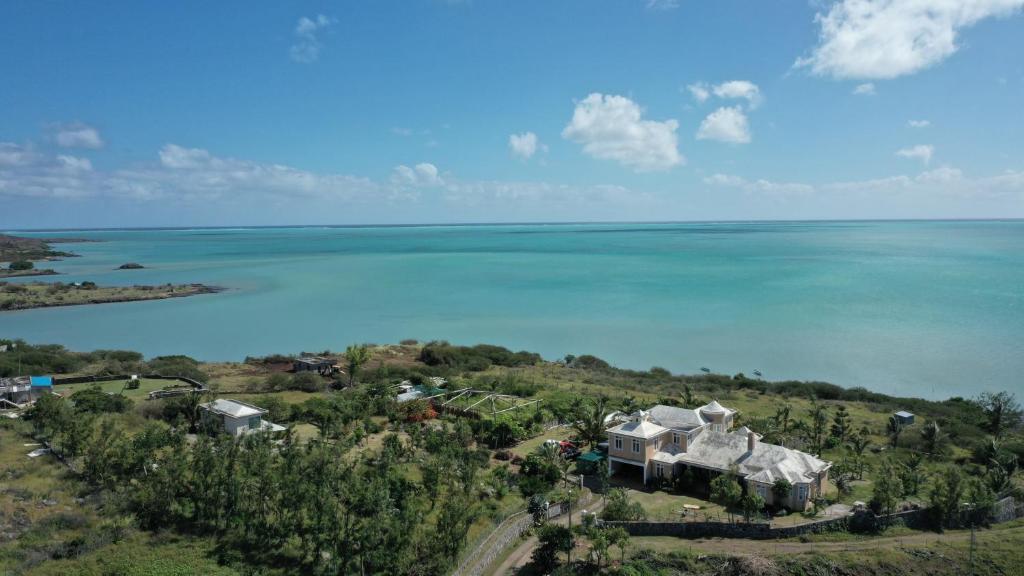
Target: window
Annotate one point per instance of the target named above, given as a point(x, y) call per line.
point(801, 491)
point(636, 445)
point(659, 470)
point(762, 491)
point(675, 437)
point(254, 422)
point(618, 442)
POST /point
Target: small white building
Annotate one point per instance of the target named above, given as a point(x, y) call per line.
point(237, 418)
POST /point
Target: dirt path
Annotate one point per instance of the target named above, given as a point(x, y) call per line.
point(734, 546)
point(521, 555)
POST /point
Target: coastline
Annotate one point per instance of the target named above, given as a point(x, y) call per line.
point(46, 297)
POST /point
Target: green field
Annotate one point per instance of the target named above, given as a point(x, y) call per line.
point(146, 385)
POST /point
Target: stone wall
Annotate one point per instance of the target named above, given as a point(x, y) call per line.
point(863, 521)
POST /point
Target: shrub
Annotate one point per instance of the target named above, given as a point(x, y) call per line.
point(22, 265)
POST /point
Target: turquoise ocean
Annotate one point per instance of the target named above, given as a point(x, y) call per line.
point(931, 309)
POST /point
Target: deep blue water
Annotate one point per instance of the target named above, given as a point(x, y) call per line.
point(913, 308)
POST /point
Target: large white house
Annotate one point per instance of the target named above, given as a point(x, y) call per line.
point(236, 417)
point(664, 440)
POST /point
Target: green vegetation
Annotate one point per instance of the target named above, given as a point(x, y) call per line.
point(42, 295)
point(359, 474)
point(18, 249)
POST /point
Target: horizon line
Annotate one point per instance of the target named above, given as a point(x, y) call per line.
point(509, 223)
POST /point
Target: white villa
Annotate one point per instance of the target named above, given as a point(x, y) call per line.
point(664, 440)
point(237, 418)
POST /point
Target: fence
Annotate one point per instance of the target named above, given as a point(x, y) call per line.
point(863, 521)
point(506, 533)
point(84, 379)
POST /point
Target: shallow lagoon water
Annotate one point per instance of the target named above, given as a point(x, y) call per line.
point(928, 309)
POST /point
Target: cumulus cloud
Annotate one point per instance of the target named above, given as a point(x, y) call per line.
point(739, 89)
point(918, 123)
point(700, 91)
point(732, 89)
point(727, 124)
point(78, 136)
point(524, 145)
point(922, 152)
point(880, 39)
point(306, 47)
point(613, 128)
point(865, 89)
point(423, 174)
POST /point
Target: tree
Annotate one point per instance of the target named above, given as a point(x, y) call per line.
point(599, 547)
point(619, 538)
point(726, 490)
point(841, 423)
point(933, 438)
point(782, 417)
point(589, 421)
point(781, 490)
point(629, 404)
point(621, 508)
point(1002, 412)
point(912, 474)
point(945, 497)
point(859, 442)
point(752, 503)
point(356, 356)
point(22, 265)
point(689, 400)
point(893, 429)
point(538, 508)
point(819, 418)
point(552, 539)
point(888, 488)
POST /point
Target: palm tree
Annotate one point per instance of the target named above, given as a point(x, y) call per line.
point(589, 421)
point(933, 437)
point(629, 404)
point(782, 417)
point(894, 428)
point(356, 357)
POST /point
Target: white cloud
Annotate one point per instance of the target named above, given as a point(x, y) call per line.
point(12, 154)
point(739, 89)
point(612, 128)
point(759, 186)
point(732, 89)
point(916, 194)
point(922, 152)
point(699, 91)
point(74, 163)
point(525, 145)
point(306, 47)
point(78, 136)
point(866, 89)
point(423, 174)
point(727, 124)
point(918, 123)
point(881, 39)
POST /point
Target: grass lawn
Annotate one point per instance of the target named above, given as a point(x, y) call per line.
point(146, 386)
point(305, 432)
point(664, 507)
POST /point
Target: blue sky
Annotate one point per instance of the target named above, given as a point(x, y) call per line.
point(242, 113)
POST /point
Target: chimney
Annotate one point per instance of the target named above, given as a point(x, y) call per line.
point(751, 441)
